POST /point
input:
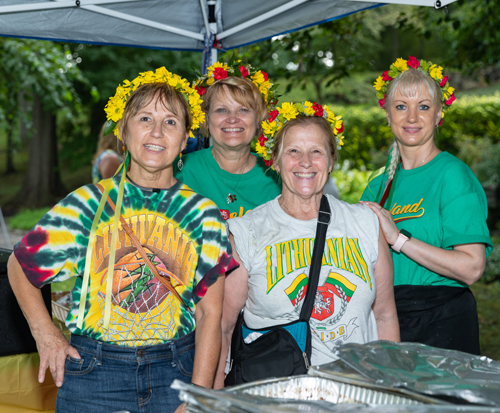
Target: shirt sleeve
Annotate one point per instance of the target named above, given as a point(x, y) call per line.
point(215, 257)
point(464, 209)
point(371, 190)
point(242, 240)
point(51, 251)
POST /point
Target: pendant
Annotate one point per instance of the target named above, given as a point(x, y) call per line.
point(231, 198)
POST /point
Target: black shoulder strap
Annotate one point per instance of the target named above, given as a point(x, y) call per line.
point(319, 246)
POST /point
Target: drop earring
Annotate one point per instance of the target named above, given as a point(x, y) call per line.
point(180, 164)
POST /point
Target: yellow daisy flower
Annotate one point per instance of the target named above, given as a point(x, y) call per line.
point(258, 78)
point(308, 110)
point(261, 150)
point(436, 72)
point(379, 83)
point(269, 128)
point(401, 64)
point(288, 111)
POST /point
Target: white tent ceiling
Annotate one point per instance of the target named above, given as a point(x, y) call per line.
point(174, 24)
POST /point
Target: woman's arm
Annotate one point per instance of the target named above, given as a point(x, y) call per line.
point(208, 334)
point(108, 165)
point(235, 296)
point(464, 262)
point(51, 344)
point(384, 306)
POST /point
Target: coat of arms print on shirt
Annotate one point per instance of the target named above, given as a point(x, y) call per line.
point(344, 272)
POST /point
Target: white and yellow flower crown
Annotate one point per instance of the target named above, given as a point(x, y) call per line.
point(116, 104)
point(402, 65)
point(220, 71)
point(288, 111)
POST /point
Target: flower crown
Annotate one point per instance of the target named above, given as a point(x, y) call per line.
point(288, 111)
point(116, 105)
point(401, 65)
point(220, 71)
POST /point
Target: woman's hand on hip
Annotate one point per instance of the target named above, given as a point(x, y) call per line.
point(53, 349)
point(389, 229)
point(51, 344)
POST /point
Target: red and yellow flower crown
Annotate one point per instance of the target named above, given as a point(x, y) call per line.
point(401, 65)
point(116, 105)
point(220, 71)
point(288, 111)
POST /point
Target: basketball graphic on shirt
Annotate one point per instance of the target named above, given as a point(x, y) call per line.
point(135, 288)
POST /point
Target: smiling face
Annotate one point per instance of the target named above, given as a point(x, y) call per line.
point(413, 118)
point(231, 124)
point(154, 137)
point(306, 161)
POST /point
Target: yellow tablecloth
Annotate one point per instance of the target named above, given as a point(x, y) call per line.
point(20, 391)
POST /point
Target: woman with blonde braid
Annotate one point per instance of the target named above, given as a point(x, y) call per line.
point(432, 211)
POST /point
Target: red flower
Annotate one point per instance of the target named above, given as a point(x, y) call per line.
point(244, 72)
point(318, 109)
point(443, 82)
point(262, 140)
point(265, 75)
point(201, 90)
point(381, 102)
point(440, 122)
point(413, 62)
point(220, 73)
point(385, 76)
point(269, 162)
point(272, 115)
point(341, 129)
point(450, 100)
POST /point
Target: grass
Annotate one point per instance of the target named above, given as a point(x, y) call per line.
point(26, 219)
point(488, 307)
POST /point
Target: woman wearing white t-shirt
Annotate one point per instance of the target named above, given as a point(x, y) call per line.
point(273, 243)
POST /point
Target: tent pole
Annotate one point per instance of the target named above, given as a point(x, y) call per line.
point(212, 24)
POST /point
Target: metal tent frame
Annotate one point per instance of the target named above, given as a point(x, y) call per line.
point(198, 25)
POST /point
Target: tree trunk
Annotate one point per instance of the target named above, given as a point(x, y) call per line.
point(318, 85)
point(395, 43)
point(10, 148)
point(42, 184)
point(24, 119)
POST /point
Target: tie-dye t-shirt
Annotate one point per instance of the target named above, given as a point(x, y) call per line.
point(182, 232)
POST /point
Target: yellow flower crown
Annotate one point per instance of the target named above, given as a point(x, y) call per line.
point(220, 71)
point(288, 111)
point(116, 104)
point(401, 65)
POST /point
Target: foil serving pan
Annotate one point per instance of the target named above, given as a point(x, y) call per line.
point(201, 400)
point(324, 389)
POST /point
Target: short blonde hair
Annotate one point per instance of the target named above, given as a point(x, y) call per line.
point(304, 121)
point(411, 83)
point(242, 91)
point(169, 97)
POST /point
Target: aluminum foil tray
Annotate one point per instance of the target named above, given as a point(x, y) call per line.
point(200, 400)
point(322, 389)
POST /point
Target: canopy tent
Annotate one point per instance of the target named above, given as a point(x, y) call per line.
point(174, 24)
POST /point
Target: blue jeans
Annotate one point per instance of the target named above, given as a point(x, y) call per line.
point(110, 378)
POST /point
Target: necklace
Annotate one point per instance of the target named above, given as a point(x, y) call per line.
point(143, 187)
point(429, 154)
point(231, 196)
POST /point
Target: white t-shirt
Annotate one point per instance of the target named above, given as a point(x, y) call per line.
point(276, 250)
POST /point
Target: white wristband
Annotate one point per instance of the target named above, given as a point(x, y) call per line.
point(399, 242)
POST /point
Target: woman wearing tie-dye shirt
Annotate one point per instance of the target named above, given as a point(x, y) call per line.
point(131, 335)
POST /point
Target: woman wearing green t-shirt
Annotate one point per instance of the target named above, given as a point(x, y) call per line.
point(235, 102)
point(432, 210)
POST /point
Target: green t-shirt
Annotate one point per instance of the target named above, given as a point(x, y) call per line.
point(441, 203)
point(203, 175)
